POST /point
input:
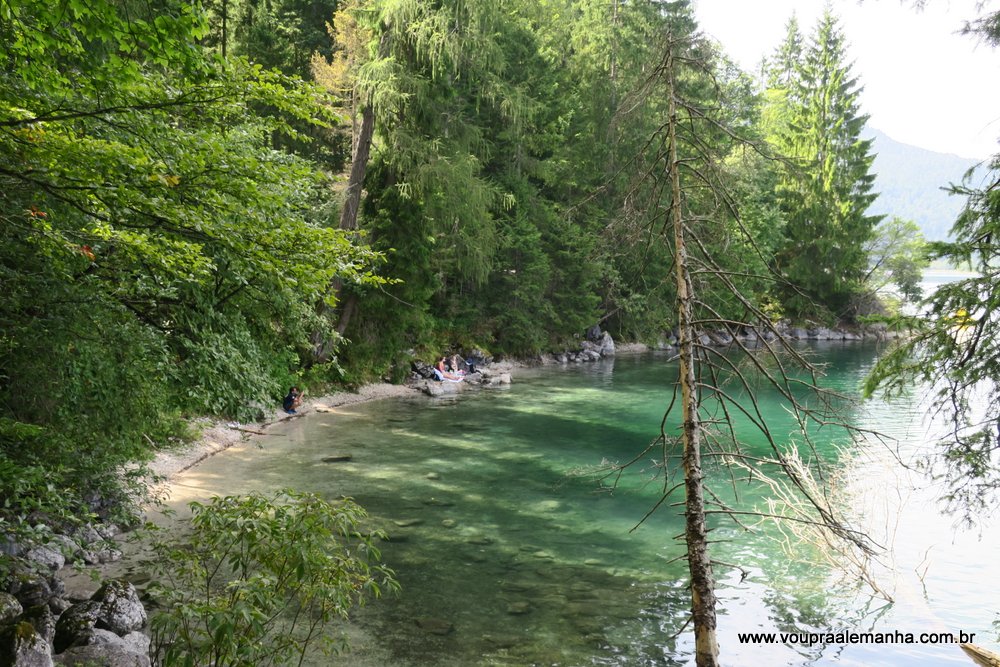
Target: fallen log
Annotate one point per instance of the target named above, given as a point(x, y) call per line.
point(981, 656)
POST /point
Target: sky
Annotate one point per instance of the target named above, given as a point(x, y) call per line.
point(924, 84)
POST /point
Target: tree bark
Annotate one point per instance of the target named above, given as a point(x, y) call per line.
point(696, 531)
point(352, 203)
point(359, 166)
point(322, 345)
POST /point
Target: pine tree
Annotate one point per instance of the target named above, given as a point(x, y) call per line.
point(825, 187)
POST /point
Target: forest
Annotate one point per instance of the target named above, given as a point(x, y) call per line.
point(203, 204)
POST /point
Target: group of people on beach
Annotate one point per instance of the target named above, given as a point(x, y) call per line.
point(452, 369)
point(449, 369)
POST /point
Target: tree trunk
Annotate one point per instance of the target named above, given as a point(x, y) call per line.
point(322, 345)
point(696, 532)
point(352, 202)
point(359, 166)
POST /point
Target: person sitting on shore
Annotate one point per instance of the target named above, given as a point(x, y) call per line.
point(292, 401)
point(442, 373)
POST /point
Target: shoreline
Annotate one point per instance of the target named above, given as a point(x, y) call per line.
point(218, 435)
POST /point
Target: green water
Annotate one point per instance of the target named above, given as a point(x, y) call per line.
point(510, 553)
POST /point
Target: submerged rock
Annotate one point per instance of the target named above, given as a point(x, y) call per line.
point(519, 608)
point(435, 626)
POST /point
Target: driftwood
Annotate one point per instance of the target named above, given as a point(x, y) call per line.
point(249, 430)
point(981, 656)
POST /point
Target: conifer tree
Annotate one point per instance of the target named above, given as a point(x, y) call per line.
point(825, 187)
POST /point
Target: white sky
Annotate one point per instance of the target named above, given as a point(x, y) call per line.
point(924, 84)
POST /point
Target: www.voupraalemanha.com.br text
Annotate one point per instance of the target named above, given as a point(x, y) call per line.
point(844, 637)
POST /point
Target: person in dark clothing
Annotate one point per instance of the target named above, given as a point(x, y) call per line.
point(292, 400)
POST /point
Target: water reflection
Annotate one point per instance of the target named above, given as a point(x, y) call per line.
point(506, 559)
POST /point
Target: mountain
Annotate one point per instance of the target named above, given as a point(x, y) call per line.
point(910, 181)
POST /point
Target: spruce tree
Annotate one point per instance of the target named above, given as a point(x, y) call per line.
point(825, 186)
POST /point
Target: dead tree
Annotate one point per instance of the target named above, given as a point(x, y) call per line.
point(690, 185)
point(696, 530)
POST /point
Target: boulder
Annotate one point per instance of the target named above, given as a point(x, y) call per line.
point(518, 608)
point(121, 611)
point(21, 646)
point(108, 530)
point(46, 556)
point(607, 348)
point(87, 535)
point(109, 555)
point(10, 608)
point(595, 334)
point(101, 637)
point(137, 642)
point(58, 605)
point(721, 338)
point(433, 388)
point(67, 546)
point(76, 624)
point(820, 333)
point(666, 343)
point(105, 655)
point(101, 555)
point(30, 588)
point(425, 371)
point(9, 546)
point(42, 620)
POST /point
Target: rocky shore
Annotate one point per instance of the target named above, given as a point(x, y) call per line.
point(43, 626)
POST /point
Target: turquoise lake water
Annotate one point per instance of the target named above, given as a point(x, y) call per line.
point(510, 552)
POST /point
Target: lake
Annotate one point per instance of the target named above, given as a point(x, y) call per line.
point(511, 552)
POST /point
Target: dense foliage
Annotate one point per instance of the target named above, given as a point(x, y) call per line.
point(174, 241)
point(159, 257)
point(259, 579)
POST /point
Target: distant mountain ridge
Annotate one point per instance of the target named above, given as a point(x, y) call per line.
point(909, 181)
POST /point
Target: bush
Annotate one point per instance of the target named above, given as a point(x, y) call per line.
point(260, 578)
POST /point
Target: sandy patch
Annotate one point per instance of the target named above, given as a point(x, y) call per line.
point(217, 435)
